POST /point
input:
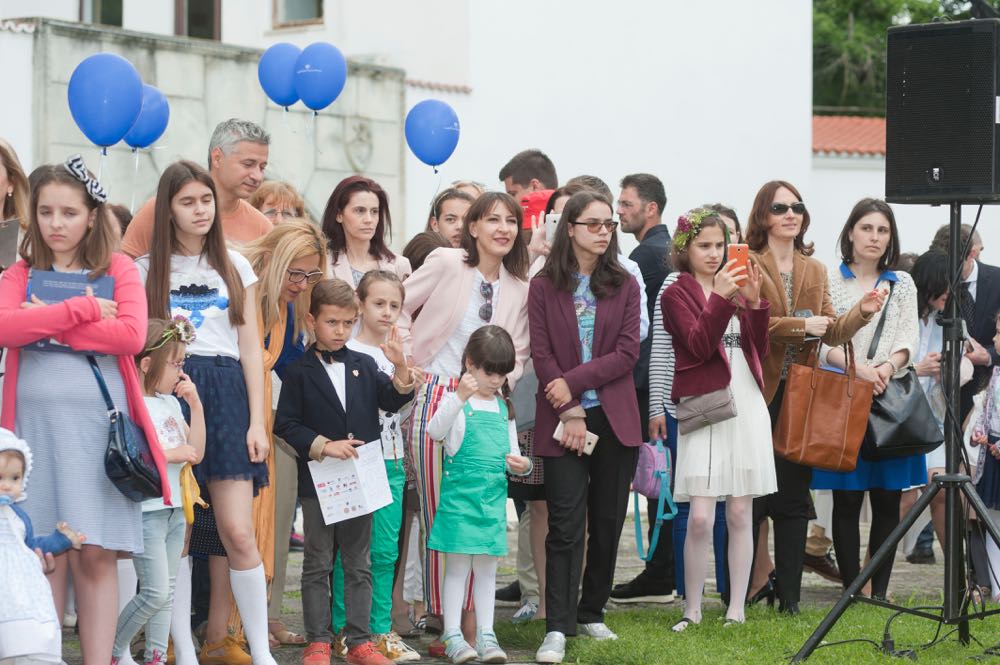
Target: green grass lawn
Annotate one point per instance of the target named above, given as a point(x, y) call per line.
point(645, 638)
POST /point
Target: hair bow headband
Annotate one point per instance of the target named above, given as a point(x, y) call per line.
point(74, 164)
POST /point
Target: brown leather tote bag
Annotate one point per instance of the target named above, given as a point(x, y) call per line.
point(824, 415)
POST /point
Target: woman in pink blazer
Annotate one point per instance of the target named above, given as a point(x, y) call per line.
point(583, 309)
point(356, 222)
point(457, 291)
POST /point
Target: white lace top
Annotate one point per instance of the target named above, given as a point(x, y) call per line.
point(902, 328)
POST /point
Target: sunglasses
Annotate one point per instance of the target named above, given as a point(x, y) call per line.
point(781, 208)
point(296, 276)
point(595, 227)
point(486, 311)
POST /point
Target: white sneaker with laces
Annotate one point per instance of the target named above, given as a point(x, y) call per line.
point(553, 648)
point(599, 631)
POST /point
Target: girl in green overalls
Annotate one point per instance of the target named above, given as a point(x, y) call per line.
point(476, 425)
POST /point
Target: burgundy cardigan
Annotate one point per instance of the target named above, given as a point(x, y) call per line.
point(555, 351)
point(697, 327)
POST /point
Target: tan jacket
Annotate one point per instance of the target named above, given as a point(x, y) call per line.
point(810, 290)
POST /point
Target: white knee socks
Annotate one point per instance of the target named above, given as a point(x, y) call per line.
point(180, 616)
point(484, 583)
point(250, 592)
point(127, 580)
point(456, 576)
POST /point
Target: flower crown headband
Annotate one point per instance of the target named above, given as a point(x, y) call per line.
point(689, 226)
point(178, 330)
point(74, 164)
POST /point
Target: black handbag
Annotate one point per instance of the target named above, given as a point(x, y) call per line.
point(901, 422)
point(128, 461)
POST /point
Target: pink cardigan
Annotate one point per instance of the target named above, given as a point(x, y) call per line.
point(78, 323)
point(442, 286)
point(342, 269)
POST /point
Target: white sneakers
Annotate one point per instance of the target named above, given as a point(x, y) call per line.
point(553, 648)
point(599, 631)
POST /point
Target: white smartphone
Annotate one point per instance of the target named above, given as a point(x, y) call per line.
point(551, 222)
point(589, 443)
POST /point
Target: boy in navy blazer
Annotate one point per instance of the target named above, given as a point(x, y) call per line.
point(329, 404)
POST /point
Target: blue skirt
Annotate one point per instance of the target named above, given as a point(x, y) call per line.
point(899, 473)
point(223, 393)
point(988, 486)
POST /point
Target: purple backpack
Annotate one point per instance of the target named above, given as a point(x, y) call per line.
point(652, 480)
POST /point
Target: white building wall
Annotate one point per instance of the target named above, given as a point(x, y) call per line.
point(17, 120)
point(839, 182)
point(64, 10)
point(156, 16)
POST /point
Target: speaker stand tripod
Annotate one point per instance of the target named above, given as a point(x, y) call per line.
point(952, 483)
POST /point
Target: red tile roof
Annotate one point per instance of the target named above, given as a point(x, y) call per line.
point(847, 134)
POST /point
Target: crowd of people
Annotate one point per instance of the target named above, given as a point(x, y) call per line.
point(495, 357)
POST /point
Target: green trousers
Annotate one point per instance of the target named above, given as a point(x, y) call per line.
point(386, 523)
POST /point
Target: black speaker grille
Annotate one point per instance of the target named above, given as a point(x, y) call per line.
point(940, 105)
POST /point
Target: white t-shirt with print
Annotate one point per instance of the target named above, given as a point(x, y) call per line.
point(165, 412)
point(199, 293)
point(392, 436)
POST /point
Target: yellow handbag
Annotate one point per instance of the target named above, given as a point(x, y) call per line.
point(190, 493)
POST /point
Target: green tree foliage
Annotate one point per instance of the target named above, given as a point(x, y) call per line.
point(849, 48)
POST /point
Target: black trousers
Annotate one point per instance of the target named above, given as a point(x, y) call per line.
point(585, 491)
point(790, 508)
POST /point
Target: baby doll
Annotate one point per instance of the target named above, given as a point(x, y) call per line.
point(29, 631)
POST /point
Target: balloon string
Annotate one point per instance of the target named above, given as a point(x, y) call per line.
point(135, 176)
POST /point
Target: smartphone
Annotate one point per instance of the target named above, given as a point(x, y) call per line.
point(589, 442)
point(533, 204)
point(551, 222)
point(741, 254)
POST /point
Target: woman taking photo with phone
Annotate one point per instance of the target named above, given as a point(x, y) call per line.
point(718, 324)
point(795, 284)
point(584, 297)
point(869, 244)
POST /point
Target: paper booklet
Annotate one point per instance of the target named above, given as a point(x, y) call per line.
point(352, 487)
point(51, 287)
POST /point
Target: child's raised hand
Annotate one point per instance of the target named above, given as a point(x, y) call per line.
point(518, 464)
point(467, 386)
point(187, 391)
point(78, 539)
point(342, 448)
point(393, 348)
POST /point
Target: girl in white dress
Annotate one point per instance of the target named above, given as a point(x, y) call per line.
point(719, 325)
point(29, 631)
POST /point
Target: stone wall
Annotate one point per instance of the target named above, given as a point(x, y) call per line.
point(207, 82)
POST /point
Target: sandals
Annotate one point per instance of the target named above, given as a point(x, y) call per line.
point(284, 637)
point(683, 624)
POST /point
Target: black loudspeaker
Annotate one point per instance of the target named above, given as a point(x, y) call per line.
point(942, 114)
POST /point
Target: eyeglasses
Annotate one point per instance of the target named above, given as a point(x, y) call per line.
point(271, 213)
point(781, 208)
point(296, 276)
point(177, 364)
point(486, 311)
point(595, 227)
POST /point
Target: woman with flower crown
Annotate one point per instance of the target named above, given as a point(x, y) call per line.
point(718, 325)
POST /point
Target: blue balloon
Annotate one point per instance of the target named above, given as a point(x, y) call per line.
point(432, 131)
point(320, 74)
point(276, 73)
point(105, 97)
point(152, 120)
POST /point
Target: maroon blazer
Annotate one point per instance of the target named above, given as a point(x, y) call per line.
point(555, 351)
point(697, 327)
